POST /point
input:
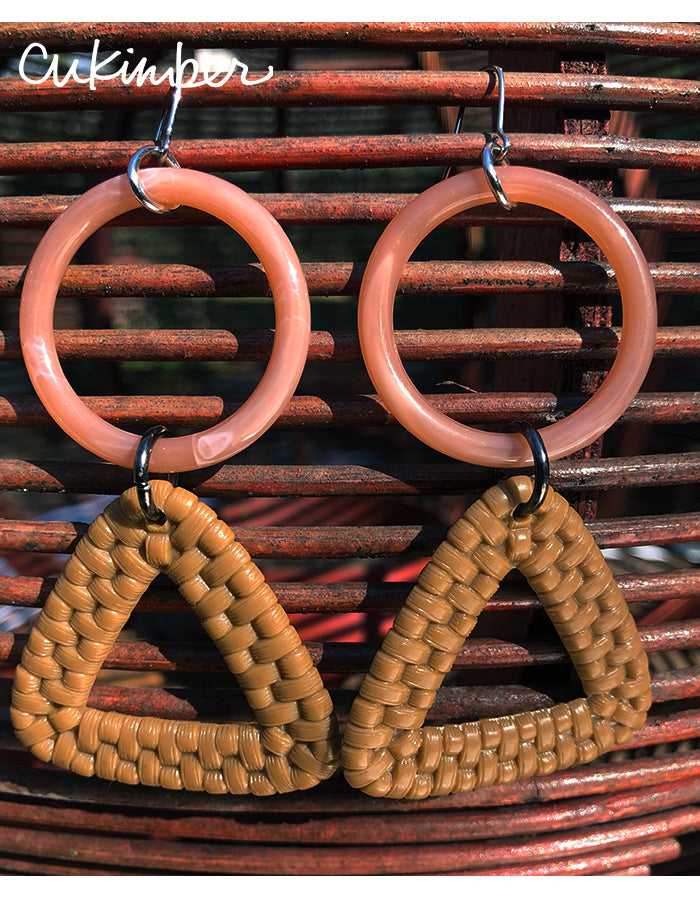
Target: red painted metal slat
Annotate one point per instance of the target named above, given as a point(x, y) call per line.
point(362, 209)
point(661, 38)
point(399, 480)
point(200, 857)
point(332, 279)
point(347, 88)
point(398, 828)
point(612, 862)
point(139, 413)
point(370, 597)
point(477, 653)
point(362, 151)
point(250, 345)
point(320, 542)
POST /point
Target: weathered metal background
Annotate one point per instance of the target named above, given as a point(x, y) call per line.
point(343, 536)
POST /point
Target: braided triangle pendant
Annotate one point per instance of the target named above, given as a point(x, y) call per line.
point(294, 743)
point(386, 750)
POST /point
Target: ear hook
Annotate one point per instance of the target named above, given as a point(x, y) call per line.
point(143, 487)
point(496, 147)
point(495, 152)
point(160, 148)
point(541, 460)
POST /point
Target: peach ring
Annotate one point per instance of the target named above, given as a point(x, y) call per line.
point(376, 307)
point(292, 318)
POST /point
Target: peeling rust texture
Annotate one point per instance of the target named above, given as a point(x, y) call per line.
point(369, 88)
point(373, 597)
point(366, 151)
point(362, 209)
point(444, 344)
point(202, 656)
point(353, 412)
point(230, 481)
point(338, 542)
point(402, 828)
point(343, 278)
point(663, 39)
point(611, 840)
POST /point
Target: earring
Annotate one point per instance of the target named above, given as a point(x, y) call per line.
point(156, 527)
point(386, 750)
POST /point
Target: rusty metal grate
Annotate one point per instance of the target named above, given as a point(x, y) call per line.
point(340, 506)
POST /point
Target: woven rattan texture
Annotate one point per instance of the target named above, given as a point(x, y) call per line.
point(294, 744)
point(385, 750)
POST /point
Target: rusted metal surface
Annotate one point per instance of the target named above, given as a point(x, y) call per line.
point(321, 542)
point(632, 871)
point(332, 279)
point(656, 38)
point(605, 863)
point(678, 684)
point(477, 653)
point(212, 858)
point(348, 88)
point(236, 481)
point(399, 828)
point(185, 705)
point(252, 345)
point(667, 728)
point(351, 412)
point(361, 209)
point(365, 152)
point(371, 597)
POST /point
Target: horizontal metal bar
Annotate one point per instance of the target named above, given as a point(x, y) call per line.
point(334, 656)
point(345, 278)
point(657, 38)
point(443, 344)
point(617, 844)
point(362, 209)
point(352, 541)
point(368, 88)
point(339, 597)
point(236, 481)
point(362, 151)
point(351, 412)
point(404, 826)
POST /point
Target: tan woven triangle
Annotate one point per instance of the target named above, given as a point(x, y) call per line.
point(294, 743)
point(385, 750)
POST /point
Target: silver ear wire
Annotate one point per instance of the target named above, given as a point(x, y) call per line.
point(161, 149)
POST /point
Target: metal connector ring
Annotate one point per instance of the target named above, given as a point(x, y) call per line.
point(132, 170)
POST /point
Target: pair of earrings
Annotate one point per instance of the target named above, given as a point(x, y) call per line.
point(157, 527)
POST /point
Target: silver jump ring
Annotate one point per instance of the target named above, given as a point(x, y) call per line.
point(143, 487)
point(541, 460)
point(487, 162)
point(132, 170)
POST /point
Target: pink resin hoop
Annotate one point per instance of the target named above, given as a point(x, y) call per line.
point(376, 308)
point(292, 318)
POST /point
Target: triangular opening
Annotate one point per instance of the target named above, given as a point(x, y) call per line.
point(163, 663)
point(513, 660)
